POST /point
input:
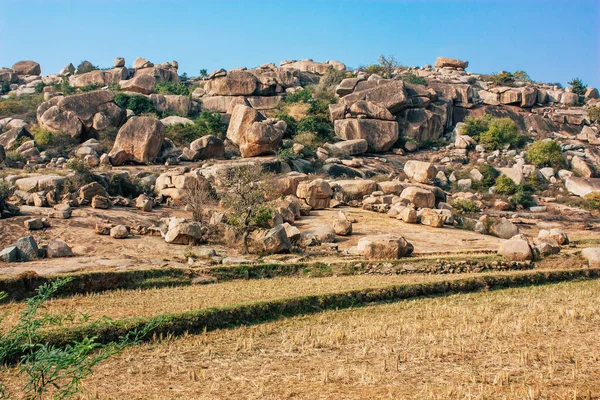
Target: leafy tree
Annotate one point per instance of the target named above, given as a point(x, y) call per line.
point(521, 76)
point(51, 369)
point(248, 191)
point(203, 73)
point(578, 86)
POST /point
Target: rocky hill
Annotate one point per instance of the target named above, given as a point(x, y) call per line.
point(436, 144)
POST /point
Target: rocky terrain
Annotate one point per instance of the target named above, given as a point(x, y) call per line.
point(139, 167)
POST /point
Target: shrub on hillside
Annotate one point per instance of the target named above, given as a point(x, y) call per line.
point(474, 126)
point(137, 103)
point(464, 206)
point(521, 76)
point(546, 153)
point(500, 132)
point(414, 79)
point(593, 113)
point(25, 106)
point(578, 86)
point(502, 79)
point(208, 123)
point(172, 88)
point(292, 124)
point(298, 96)
point(505, 185)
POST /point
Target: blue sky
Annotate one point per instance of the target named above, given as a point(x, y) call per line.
point(552, 40)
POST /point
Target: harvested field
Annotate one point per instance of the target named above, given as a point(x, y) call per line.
point(533, 343)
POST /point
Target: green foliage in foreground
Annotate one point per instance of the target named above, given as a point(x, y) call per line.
point(50, 369)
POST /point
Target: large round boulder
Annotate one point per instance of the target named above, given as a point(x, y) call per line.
point(138, 141)
point(27, 67)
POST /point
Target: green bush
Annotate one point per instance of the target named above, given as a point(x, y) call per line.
point(25, 105)
point(136, 103)
point(90, 87)
point(414, 79)
point(522, 197)
point(81, 174)
point(475, 126)
point(309, 140)
point(286, 155)
point(4, 195)
point(172, 88)
point(464, 206)
point(578, 86)
point(39, 87)
point(546, 153)
point(4, 87)
point(316, 124)
point(292, 124)
point(64, 87)
point(500, 132)
point(521, 76)
point(593, 113)
point(385, 66)
point(502, 79)
point(12, 158)
point(208, 123)
point(505, 185)
point(331, 78)
point(490, 174)
point(299, 96)
point(591, 201)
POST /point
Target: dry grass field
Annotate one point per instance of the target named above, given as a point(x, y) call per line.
point(137, 303)
point(526, 343)
point(119, 304)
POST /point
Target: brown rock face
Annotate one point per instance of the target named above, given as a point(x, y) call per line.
point(380, 135)
point(391, 95)
point(370, 110)
point(262, 138)
point(139, 141)
point(316, 193)
point(99, 77)
point(27, 67)
point(420, 124)
point(443, 62)
point(140, 84)
point(235, 83)
point(79, 113)
point(181, 105)
point(241, 120)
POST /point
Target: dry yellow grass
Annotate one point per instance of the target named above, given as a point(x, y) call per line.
point(526, 343)
point(136, 303)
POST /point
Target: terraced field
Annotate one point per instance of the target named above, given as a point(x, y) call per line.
point(524, 343)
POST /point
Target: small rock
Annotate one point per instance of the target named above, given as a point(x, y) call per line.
point(119, 232)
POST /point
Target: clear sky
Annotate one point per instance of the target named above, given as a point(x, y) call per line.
point(553, 41)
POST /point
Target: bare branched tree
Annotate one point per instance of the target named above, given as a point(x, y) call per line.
point(249, 190)
point(197, 196)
